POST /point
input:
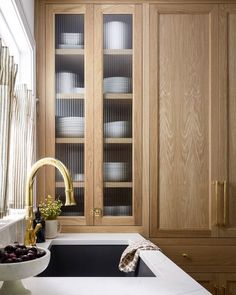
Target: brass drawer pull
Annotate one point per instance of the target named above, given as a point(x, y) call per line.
point(185, 255)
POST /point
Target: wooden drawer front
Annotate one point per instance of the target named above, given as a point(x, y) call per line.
point(201, 255)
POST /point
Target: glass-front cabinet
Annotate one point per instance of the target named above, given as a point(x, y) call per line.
point(94, 110)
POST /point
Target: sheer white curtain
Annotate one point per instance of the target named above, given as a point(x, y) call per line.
point(17, 130)
point(8, 72)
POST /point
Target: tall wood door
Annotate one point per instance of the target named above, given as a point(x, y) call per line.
point(227, 58)
point(183, 119)
point(69, 105)
point(117, 114)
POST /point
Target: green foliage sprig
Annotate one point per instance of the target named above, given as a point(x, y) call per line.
point(50, 208)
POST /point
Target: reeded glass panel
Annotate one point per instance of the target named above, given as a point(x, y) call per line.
point(69, 105)
point(117, 115)
point(77, 210)
point(117, 202)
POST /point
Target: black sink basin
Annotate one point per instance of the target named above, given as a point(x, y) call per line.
point(90, 261)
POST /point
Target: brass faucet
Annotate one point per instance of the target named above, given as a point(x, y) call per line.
point(30, 233)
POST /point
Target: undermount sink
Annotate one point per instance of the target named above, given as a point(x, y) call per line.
point(90, 261)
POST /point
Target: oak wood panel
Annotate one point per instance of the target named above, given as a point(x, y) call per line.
point(143, 1)
point(227, 284)
point(208, 280)
point(182, 99)
point(201, 255)
point(40, 93)
point(227, 47)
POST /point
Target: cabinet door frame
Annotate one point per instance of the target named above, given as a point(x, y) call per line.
point(211, 278)
point(224, 12)
point(51, 11)
point(155, 11)
point(136, 11)
point(224, 282)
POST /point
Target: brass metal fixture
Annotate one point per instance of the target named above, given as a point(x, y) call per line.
point(96, 212)
point(30, 233)
point(225, 202)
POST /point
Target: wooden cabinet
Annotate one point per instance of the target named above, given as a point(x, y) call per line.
point(208, 281)
point(93, 110)
point(184, 118)
point(217, 284)
point(227, 70)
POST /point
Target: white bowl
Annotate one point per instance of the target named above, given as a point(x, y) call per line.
point(117, 129)
point(116, 171)
point(116, 35)
point(12, 273)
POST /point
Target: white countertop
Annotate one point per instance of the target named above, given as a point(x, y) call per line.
point(169, 280)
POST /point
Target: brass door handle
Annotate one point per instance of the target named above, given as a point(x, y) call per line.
point(216, 183)
point(225, 202)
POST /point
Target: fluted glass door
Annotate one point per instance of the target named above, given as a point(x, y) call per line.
point(118, 165)
point(70, 133)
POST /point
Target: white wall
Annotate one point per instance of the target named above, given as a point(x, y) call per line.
point(28, 7)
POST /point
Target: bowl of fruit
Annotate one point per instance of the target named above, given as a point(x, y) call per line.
point(19, 262)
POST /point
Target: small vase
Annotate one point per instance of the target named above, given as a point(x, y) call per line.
point(52, 228)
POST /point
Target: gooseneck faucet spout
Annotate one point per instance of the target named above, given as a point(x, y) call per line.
point(30, 234)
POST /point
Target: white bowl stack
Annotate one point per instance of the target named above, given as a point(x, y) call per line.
point(117, 129)
point(117, 84)
point(70, 127)
point(116, 171)
point(117, 210)
point(116, 35)
point(65, 82)
point(72, 40)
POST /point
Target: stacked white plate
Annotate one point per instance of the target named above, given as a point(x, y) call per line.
point(70, 127)
point(116, 171)
point(117, 84)
point(78, 177)
point(65, 82)
point(117, 210)
point(72, 39)
point(117, 129)
point(116, 35)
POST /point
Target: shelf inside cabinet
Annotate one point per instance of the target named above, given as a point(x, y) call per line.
point(69, 95)
point(118, 51)
point(69, 51)
point(118, 96)
point(69, 140)
point(118, 140)
point(118, 184)
point(75, 184)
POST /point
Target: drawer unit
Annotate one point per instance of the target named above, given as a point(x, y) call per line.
point(201, 255)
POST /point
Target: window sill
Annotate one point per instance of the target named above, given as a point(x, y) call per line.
point(14, 216)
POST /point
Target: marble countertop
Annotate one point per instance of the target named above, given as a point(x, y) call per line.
point(169, 280)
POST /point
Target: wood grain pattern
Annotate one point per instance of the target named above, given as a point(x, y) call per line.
point(231, 118)
point(207, 280)
point(227, 90)
point(184, 121)
point(183, 118)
